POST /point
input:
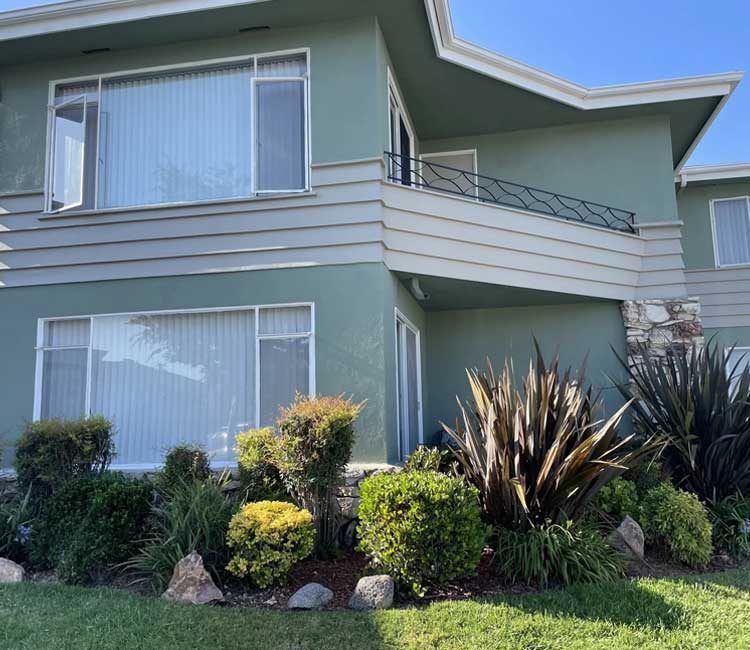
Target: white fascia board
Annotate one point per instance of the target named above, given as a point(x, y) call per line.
point(80, 14)
point(492, 64)
point(726, 171)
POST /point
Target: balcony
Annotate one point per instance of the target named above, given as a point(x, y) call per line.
point(484, 189)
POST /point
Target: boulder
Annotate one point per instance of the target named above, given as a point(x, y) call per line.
point(191, 583)
point(628, 538)
point(10, 572)
point(311, 596)
point(373, 592)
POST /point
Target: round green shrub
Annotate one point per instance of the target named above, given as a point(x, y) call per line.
point(421, 527)
point(618, 499)
point(266, 539)
point(260, 478)
point(556, 553)
point(90, 525)
point(678, 521)
point(188, 463)
point(428, 459)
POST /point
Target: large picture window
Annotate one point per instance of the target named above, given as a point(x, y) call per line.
point(219, 131)
point(172, 377)
point(731, 226)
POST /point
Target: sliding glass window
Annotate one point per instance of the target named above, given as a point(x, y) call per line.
point(219, 131)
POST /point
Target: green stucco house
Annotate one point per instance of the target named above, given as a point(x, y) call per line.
point(206, 208)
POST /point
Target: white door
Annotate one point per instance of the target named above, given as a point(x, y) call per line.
point(409, 382)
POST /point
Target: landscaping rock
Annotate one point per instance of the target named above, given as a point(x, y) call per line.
point(311, 596)
point(628, 538)
point(10, 572)
point(191, 583)
point(373, 592)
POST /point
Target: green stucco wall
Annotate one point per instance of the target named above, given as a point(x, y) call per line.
point(351, 354)
point(694, 211)
point(729, 336)
point(346, 89)
point(624, 163)
point(457, 340)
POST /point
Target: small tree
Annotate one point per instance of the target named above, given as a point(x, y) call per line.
point(314, 445)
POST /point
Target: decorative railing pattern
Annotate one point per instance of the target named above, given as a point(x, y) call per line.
point(430, 175)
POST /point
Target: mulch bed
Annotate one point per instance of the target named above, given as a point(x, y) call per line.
point(341, 574)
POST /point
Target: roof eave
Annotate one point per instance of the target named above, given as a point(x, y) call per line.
point(708, 173)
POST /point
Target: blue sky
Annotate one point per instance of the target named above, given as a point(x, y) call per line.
point(597, 43)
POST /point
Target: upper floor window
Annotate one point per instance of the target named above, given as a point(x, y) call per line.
point(731, 224)
point(401, 135)
point(221, 130)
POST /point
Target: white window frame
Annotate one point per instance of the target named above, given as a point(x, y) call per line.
point(395, 98)
point(458, 152)
point(712, 203)
point(401, 378)
point(41, 348)
point(52, 129)
point(99, 78)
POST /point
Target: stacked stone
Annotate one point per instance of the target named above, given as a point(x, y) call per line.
point(661, 325)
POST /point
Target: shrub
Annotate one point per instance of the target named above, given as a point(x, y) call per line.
point(16, 515)
point(429, 459)
point(645, 476)
point(267, 538)
point(618, 499)
point(677, 520)
point(730, 523)
point(422, 528)
point(554, 553)
point(186, 463)
point(260, 478)
point(314, 445)
point(703, 410)
point(51, 452)
point(91, 524)
point(192, 517)
point(538, 454)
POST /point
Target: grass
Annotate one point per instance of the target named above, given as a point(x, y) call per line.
point(701, 612)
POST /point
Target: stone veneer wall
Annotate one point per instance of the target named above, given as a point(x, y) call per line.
point(662, 325)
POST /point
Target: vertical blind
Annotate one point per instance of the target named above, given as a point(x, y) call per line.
point(165, 379)
point(224, 131)
point(732, 231)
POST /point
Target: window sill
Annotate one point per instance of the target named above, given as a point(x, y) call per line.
point(177, 204)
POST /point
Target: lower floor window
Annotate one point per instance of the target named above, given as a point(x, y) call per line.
point(169, 378)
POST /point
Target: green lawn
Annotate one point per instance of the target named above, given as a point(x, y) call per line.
point(702, 613)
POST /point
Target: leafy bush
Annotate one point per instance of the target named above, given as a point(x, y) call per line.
point(730, 523)
point(689, 398)
point(314, 445)
point(420, 527)
point(192, 517)
point(260, 478)
point(645, 476)
point(430, 459)
point(16, 515)
point(677, 520)
point(91, 524)
point(186, 463)
point(267, 538)
point(538, 454)
point(554, 553)
point(618, 499)
point(51, 452)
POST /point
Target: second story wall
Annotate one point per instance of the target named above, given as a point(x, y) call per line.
point(626, 164)
point(347, 91)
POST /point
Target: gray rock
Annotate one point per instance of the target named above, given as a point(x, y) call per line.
point(10, 572)
point(311, 596)
point(628, 538)
point(373, 592)
point(191, 583)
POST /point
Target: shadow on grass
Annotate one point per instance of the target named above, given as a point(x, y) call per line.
point(620, 603)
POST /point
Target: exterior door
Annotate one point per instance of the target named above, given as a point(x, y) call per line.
point(409, 382)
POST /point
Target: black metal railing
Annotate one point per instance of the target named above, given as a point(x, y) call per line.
point(430, 175)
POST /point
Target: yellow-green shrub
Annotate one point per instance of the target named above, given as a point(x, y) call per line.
point(677, 520)
point(259, 476)
point(266, 539)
